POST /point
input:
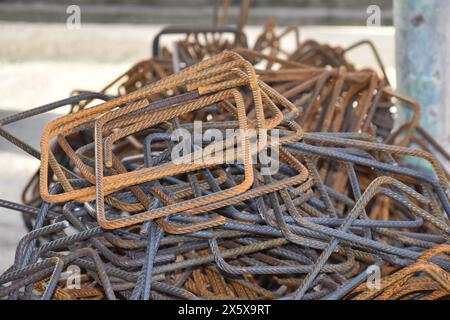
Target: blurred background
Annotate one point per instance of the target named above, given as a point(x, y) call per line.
point(297, 12)
point(42, 59)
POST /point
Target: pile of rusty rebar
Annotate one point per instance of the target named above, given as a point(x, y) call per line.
point(319, 197)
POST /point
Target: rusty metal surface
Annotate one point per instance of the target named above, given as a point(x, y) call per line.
point(110, 200)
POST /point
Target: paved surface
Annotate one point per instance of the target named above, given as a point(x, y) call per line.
point(40, 63)
point(287, 12)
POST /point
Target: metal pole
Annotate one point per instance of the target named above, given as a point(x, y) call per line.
point(423, 61)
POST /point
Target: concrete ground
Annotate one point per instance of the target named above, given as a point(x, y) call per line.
point(41, 63)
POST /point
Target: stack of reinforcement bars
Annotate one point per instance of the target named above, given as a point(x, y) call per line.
point(113, 215)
